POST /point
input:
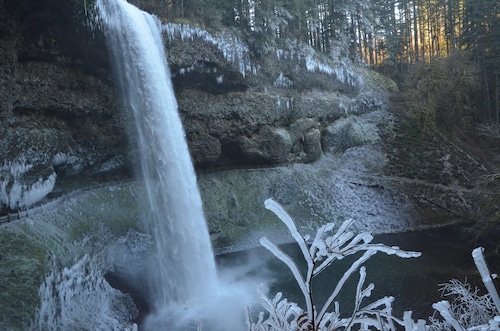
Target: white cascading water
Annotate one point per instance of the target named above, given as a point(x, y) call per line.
point(183, 272)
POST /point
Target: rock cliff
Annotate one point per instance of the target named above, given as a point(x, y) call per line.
point(62, 126)
point(57, 109)
point(61, 119)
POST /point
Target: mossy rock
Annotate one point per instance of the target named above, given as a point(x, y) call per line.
point(375, 81)
point(23, 268)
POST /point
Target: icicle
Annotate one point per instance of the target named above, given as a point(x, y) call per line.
point(279, 54)
point(15, 193)
point(282, 81)
point(232, 50)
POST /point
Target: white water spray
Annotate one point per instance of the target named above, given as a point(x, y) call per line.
point(182, 272)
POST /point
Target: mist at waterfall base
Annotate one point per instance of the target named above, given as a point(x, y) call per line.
point(184, 289)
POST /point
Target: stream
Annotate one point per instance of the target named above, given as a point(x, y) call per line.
point(414, 283)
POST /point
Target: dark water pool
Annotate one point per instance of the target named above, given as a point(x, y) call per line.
point(413, 282)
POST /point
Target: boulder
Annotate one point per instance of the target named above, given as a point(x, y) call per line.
point(268, 146)
point(349, 132)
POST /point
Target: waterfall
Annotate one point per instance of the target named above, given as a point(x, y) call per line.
point(182, 271)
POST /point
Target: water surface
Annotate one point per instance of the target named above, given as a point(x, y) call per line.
point(414, 283)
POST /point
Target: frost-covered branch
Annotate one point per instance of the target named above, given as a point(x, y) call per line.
point(467, 311)
point(327, 247)
point(343, 280)
point(444, 309)
point(276, 208)
point(304, 285)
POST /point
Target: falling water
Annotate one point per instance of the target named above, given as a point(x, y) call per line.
point(182, 272)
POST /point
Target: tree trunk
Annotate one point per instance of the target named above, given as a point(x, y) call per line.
point(496, 97)
point(415, 31)
point(487, 93)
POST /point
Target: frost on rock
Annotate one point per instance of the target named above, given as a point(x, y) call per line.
point(114, 163)
point(68, 162)
point(342, 71)
point(64, 159)
point(79, 298)
point(21, 186)
point(338, 198)
point(127, 258)
point(232, 49)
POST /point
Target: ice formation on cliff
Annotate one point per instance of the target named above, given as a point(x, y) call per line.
point(231, 48)
point(17, 190)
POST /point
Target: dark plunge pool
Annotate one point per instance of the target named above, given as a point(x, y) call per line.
point(414, 283)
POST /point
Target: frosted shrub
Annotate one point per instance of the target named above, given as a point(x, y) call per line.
point(468, 310)
point(320, 253)
point(467, 306)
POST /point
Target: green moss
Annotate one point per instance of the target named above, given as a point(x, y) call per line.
point(376, 81)
point(23, 268)
point(84, 224)
point(235, 207)
point(234, 235)
point(115, 208)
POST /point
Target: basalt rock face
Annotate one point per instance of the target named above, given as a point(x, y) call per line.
point(60, 118)
point(58, 115)
point(239, 111)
